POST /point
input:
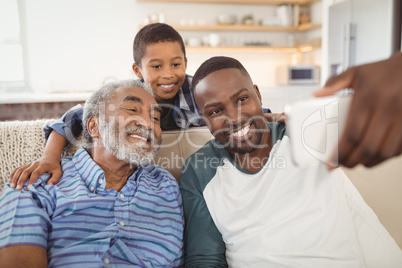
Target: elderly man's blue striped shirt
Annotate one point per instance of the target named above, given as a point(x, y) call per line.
point(83, 225)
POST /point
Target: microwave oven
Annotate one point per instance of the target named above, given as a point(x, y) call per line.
point(298, 75)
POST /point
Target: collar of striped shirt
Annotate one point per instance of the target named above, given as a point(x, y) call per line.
point(92, 174)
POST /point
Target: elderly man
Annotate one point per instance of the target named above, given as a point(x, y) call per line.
point(111, 207)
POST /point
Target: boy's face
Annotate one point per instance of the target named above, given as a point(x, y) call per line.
point(231, 106)
point(163, 67)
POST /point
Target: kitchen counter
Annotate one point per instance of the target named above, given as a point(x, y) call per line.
point(31, 97)
point(32, 106)
point(276, 98)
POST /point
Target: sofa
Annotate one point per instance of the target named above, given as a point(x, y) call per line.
point(22, 142)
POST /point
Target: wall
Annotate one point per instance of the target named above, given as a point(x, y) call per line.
point(75, 45)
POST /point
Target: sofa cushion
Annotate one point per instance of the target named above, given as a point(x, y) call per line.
point(21, 142)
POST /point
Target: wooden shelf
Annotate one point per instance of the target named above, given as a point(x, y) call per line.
point(242, 2)
point(239, 28)
point(246, 28)
point(242, 49)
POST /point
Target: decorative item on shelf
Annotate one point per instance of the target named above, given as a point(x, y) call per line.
point(315, 42)
point(214, 40)
point(257, 44)
point(270, 21)
point(205, 40)
point(296, 15)
point(291, 40)
point(192, 22)
point(155, 17)
point(183, 22)
point(201, 22)
point(285, 15)
point(248, 20)
point(193, 42)
point(227, 19)
point(304, 18)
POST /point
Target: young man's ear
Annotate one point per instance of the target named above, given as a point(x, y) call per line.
point(93, 127)
point(137, 70)
point(257, 91)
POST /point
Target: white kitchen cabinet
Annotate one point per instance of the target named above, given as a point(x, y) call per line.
point(360, 31)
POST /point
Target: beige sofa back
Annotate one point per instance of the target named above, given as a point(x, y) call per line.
point(22, 142)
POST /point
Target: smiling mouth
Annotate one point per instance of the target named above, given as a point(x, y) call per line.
point(136, 136)
point(241, 133)
point(167, 88)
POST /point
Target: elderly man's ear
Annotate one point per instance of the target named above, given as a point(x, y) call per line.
point(93, 127)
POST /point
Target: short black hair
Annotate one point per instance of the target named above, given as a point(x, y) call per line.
point(152, 34)
point(215, 64)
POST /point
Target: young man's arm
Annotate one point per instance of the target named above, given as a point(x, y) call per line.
point(23, 256)
point(373, 130)
point(58, 134)
point(204, 246)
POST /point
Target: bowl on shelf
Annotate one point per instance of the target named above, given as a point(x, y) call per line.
point(227, 19)
point(194, 42)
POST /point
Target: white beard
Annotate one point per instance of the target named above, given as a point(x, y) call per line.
point(136, 153)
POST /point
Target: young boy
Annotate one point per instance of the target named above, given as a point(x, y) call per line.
point(160, 61)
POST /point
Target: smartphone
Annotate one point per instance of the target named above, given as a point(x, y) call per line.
point(314, 127)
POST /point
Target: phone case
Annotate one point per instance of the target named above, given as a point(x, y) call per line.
point(314, 127)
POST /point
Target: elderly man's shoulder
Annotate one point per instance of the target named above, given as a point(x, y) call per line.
point(157, 173)
point(68, 168)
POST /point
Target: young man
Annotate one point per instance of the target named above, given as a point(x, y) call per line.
point(110, 208)
point(247, 205)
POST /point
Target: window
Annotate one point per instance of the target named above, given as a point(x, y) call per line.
point(12, 67)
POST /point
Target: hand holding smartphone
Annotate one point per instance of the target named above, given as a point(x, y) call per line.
point(314, 127)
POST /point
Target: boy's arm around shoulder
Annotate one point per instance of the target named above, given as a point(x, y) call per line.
point(49, 163)
point(67, 130)
point(204, 246)
point(69, 125)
